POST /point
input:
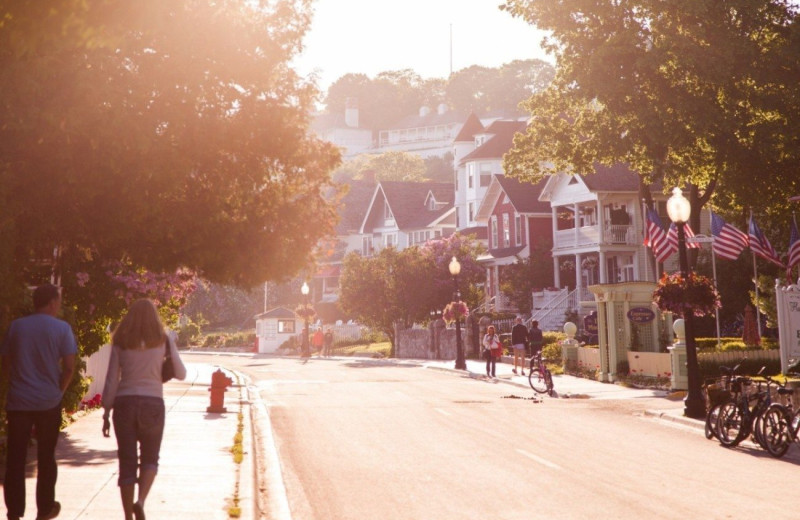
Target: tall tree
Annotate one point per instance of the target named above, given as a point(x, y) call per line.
point(405, 286)
point(387, 166)
point(382, 101)
point(518, 280)
point(484, 89)
point(165, 133)
point(697, 92)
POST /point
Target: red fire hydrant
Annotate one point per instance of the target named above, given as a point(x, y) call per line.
point(219, 385)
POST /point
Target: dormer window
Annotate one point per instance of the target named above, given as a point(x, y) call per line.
point(432, 204)
point(387, 212)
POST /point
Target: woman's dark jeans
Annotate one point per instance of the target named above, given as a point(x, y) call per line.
point(491, 364)
point(48, 424)
point(138, 425)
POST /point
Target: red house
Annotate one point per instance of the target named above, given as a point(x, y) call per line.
point(517, 222)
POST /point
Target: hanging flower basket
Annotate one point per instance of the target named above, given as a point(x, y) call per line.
point(696, 294)
point(305, 312)
point(455, 311)
point(567, 265)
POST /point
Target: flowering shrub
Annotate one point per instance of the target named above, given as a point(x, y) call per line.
point(694, 294)
point(91, 404)
point(455, 311)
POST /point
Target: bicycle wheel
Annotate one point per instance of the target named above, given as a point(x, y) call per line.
point(548, 379)
point(758, 428)
point(711, 421)
point(731, 428)
point(537, 381)
point(777, 430)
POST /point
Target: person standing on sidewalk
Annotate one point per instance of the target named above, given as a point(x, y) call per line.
point(32, 351)
point(519, 339)
point(318, 341)
point(491, 342)
point(536, 339)
point(328, 346)
point(134, 390)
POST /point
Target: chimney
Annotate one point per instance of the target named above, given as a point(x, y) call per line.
point(351, 112)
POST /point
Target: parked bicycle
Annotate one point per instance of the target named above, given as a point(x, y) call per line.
point(738, 419)
point(539, 376)
point(782, 421)
point(718, 398)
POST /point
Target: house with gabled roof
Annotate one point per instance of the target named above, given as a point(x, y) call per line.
point(403, 214)
point(517, 222)
point(331, 252)
point(598, 227)
point(474, 169)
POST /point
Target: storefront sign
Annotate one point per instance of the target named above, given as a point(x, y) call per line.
point(641, 315)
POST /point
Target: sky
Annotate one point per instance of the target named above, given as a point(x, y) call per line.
point(372, 36)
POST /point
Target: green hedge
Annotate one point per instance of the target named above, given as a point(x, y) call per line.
point(748, 367)
point(726, 344)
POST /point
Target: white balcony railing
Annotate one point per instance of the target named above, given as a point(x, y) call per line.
point(590, 235)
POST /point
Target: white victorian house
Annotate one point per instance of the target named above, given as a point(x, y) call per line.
point(403, 214)
point(598, 235)
point(478, 155)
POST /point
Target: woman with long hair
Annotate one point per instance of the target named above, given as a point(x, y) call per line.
point(134, 391)
point(491, 342)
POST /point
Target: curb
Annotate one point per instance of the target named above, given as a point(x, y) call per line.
point(679, 419)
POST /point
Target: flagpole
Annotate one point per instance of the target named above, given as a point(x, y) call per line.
point(653, 264)
point(755, 280)
point(714, 274)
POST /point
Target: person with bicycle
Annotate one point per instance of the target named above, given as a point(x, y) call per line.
point(491, 343)
point(535, 339)
point(519, 340)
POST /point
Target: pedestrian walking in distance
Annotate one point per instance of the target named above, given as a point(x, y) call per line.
point(491, 342)
point(318, 341)
point(134, 390)
point(328, 342)
point(39, 360)
point(519, 341)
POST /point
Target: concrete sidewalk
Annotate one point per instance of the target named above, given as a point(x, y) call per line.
point(197, 475)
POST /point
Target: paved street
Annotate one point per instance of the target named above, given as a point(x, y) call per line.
point(360, 439)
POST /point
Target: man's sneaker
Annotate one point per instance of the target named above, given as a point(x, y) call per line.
point(53, 512)
point(514, 370)
point(523, 373)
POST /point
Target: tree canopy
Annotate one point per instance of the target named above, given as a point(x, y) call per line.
point(164, 133)
point(698, 92)
point(392, 95)
point(405, 286)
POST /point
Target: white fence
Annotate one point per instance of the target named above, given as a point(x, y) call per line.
point(96, 369)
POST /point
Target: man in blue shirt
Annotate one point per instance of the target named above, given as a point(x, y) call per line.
point(38, 356)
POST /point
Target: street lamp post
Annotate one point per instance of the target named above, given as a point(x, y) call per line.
point(455, 270)
point(305, 290)
point(679, 211)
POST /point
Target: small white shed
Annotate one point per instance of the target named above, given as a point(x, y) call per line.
point(274, 327)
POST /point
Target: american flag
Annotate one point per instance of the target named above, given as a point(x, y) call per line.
point(656, 239)
point(729, 242)
point(794, 247)
point(672, 236)
point(760, 246)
